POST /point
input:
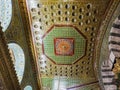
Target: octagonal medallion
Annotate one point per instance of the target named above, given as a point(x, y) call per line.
point(64, 44)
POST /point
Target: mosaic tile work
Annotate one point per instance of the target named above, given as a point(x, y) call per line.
point(68, 84)
point(19, 61)
point(64, 46)
point(85, 15)
point(5, 13)
point(61, 51)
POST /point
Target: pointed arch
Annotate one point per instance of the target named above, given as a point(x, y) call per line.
point(18, 59)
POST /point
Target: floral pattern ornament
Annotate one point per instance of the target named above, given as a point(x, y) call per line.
point(64, 46)
point(116, 71)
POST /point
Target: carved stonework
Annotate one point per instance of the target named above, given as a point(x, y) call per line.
point(6, 66)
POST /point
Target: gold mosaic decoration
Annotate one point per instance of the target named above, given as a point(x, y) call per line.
point(85, 15)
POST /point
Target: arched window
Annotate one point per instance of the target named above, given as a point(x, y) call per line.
point(5, 13)
point(18, 58)
point(28, 87)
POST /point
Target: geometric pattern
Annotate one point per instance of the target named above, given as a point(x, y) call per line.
point(64, 46)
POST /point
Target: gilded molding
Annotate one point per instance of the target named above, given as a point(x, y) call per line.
point(27, 28)
point(6, 65)
point(18, 32)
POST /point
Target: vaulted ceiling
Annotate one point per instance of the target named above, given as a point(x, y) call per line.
point(61, 44)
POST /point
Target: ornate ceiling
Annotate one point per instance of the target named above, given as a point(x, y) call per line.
point(51, 23)
point(63, 41)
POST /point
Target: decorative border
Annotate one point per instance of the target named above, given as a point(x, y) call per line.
point(6, 65)
point(25, 15)
point(62, 25)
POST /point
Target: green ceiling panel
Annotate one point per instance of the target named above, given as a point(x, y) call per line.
point(64, 44)
point(64, 83)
